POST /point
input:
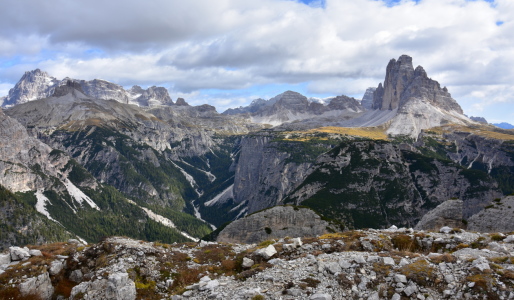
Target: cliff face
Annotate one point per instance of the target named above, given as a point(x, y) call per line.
point(268, 170)
point(23, 157)
point(362, 183)
point(403, 82)
point(274, 223)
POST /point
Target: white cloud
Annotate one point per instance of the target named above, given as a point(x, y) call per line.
point(194, 45)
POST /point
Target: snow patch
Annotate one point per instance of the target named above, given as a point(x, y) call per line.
point(189, 178)
point(41, 203)
point(163, 220)
point(198, 215)
point(210, 176)
point(221, 197)
point(78, 195)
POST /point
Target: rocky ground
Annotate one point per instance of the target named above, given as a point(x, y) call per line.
point(362, 264)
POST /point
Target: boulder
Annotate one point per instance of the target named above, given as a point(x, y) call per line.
point(448, 213)
point(247, 263)
point(267, 252)
point(56, 267)
point(40, 286)
point(18, 253)
point(496, 217)
point(118, 286)
point(274, 223)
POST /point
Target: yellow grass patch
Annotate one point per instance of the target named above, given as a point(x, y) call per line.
point(366, 132)
point(485, 131)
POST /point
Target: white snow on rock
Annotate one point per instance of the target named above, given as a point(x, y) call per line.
point(41, 203)
point(163, 220)
point(209, 175)
point(78, 195)
point(221, 197)
point(189, 178)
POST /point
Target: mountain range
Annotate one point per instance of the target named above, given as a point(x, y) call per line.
point(91, 159)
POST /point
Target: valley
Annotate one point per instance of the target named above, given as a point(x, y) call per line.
point(89, 159)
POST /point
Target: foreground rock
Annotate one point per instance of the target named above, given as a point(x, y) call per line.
point(448, 213)
point(395, 263)
point(274, 223)
point(496, 217)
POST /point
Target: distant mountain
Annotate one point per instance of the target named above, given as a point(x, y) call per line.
point(479, 120)
point(290, 107)
point(504, 125)
point(367, 99)
point(38, 84)
point(419, 101)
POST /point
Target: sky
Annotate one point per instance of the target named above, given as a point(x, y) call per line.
point(228, 52)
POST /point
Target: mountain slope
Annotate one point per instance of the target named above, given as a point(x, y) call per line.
point(38, 84)
point(68, 196)
point(420, 102)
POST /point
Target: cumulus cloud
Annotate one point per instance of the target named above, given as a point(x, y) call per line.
point(231, 46)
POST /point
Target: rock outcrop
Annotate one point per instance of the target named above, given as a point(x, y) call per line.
point(367, 98)
point(479, 119)
point(403, 82)
point(419, 101)
point(274, 223)
point(448, 213)
point(496, 217)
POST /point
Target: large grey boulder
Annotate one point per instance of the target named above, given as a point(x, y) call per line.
point(448, 213)
point(40, 286)
point(496, 217)
point(274, 223)
point(117, 287)
point(18, 253)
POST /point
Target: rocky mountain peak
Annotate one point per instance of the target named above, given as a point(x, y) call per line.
point(31, 75)
point(367, 99)
point(155, 96)
point(289, 97)
point(181, 102)
point(404, 83)
point(35, 84)
point(71, 87)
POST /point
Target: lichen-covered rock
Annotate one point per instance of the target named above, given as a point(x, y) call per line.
point(496, 217)
point(448, 213)
point(56, 267)
point(118, 286)
point(276, 222)
point(18, 253)
point(40, 286)
point(267, 252)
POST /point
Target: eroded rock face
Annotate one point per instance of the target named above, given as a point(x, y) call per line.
point(448, 213)
point(496, 217)
point(403, 82)
point(367, 99)
point(276, 222)
point(19, 154)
